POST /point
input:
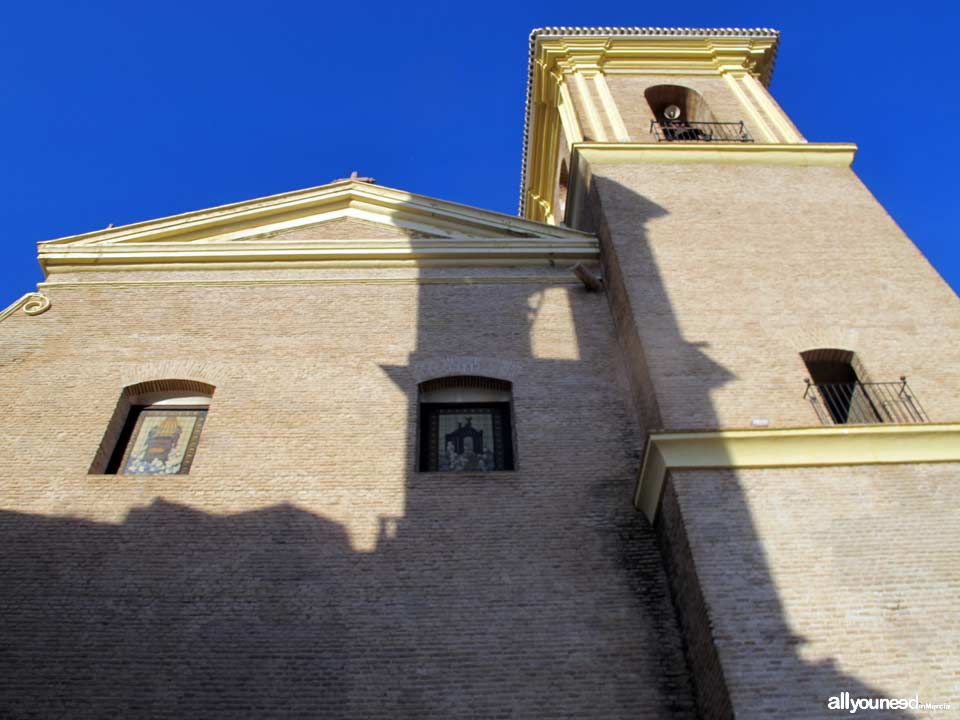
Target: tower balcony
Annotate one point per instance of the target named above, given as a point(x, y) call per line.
point(845, 403)
point(697, 131)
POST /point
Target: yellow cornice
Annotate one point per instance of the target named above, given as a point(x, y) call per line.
point(586, 155)
point(556, 280)
point(787, 448)
point(688, 55)
point(367, 253)
point(819, 154)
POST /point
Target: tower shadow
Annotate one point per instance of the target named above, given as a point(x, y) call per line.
point(534, 593)
point(743, 656)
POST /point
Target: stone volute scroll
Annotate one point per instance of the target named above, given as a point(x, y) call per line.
point(36, 304)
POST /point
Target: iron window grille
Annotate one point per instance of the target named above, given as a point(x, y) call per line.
point(864, 403)
point(695, 131)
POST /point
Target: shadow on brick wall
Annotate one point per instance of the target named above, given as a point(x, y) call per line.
point(539, 593)
point(177, 613)
point(744, 659)
point(173, 613)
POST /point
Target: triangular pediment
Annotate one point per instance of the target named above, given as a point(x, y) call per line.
point(345, 220)
point(348, 209)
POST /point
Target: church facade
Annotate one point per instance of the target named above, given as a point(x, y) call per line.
point(679, 440)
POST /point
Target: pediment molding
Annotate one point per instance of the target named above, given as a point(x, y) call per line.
point(344, 221)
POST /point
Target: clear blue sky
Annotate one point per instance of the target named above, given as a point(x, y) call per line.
point(125, 111)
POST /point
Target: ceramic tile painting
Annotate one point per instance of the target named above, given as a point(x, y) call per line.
point(163, 442)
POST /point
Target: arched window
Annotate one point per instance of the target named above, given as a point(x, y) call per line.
point(465, 425)
point(680, 112)
point(689, 104)
point(681, 115)
point(841, 392)
point(155, 429)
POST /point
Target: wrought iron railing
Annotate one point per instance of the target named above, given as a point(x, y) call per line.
point(669, 131)
point(857, 402)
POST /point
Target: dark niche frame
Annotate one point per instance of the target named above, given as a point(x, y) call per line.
point(430, 446)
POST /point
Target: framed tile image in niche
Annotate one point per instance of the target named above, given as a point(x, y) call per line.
point(465, 425)
point(155, 428)
point(159, 441)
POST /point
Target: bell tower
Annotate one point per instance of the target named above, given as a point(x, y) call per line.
point(737, 258)
point(638, 87)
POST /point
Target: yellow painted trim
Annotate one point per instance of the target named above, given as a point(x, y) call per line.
point(33, 303)
point(747, 105)
point(575, 58)
point(568, 117)
point(590, 107)
point(305, 265)
point(14, 306)
point(585, 156)
point(549, 126)
point(371, 253)
point(610, 108)
point(708, 69)
point(817, 154)
point(618, 53)
point(245, 234)
point(787, 131)
point(794, 447)
point(256, 282)
point(348, 198)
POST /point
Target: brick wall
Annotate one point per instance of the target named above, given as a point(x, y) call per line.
point(820, 580)
point(693, 613)
point(732, 271)
point(791, 585)
point(303, 568)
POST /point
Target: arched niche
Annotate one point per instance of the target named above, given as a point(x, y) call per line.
point(834, 374)
point(693, 108)
point(465, 425)
point(177, 407)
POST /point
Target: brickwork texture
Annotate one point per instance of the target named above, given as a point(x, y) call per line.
point(304, 568)
point(816, 581)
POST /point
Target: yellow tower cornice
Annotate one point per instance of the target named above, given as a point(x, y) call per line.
point(585, 155)
point(655, 54)
point(831, 446)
